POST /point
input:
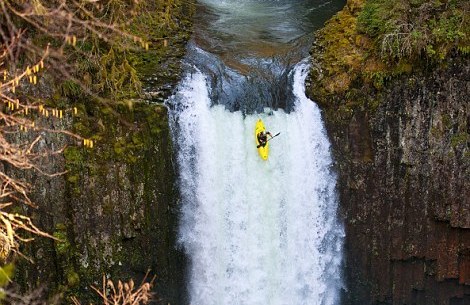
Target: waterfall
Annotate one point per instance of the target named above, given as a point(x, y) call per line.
point(256, 232)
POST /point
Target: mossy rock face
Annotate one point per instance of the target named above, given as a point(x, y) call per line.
point(399, 133)
point(121, 211)
point(114, 211)
point(358, 50)
point(160, 67)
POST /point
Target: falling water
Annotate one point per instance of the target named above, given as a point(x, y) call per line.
point(256, 232)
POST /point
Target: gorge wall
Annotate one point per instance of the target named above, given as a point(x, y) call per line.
point(402, 156)
point(114, 212)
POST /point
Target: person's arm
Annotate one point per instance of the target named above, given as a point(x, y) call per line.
point(268, 133)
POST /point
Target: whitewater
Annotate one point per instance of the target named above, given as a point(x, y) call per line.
point(256, 232)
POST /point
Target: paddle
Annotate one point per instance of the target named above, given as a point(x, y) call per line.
point(270, 139)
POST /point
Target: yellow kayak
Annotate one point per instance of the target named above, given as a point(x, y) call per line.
point(263, 151)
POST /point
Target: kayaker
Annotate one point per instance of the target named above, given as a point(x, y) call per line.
point(263, 138)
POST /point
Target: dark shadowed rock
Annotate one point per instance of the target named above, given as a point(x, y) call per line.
point(404, 188)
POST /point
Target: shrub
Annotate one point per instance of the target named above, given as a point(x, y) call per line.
point(417, 28)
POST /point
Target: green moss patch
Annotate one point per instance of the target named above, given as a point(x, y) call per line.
point(375, 40)
point(462, 138)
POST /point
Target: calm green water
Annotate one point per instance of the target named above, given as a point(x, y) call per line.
point(247, 48)
point(241, 31)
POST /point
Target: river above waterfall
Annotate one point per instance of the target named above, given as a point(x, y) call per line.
point(245, 30)
point(247, 48)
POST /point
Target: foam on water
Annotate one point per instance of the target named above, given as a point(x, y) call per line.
point(256, 232)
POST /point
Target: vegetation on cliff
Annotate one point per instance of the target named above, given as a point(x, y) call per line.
point(72, 72)
point(370, 42)
point(417, 29)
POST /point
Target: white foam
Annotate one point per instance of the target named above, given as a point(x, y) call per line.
point(256, 232)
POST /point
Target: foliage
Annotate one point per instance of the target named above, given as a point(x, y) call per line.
point(370, 42)
point(58, 60)
point(38, 40)
point(123, 293)
point(6, 274)
point(411, 29)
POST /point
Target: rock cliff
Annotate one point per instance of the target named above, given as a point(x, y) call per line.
point(114, 212)
point(401, 151)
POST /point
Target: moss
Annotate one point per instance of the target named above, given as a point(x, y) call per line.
point(73, 178)
point(166, 26)
point(446, 121)
point(62, 244)
point(352, 50)
point(74, 156)
point(437, 28)
point(70, 88)
point(344, 60)
point(66, 254)
point(459, 139)
point(343, 51)
point(73, 279)
point(6, 274)
point(121, 131)
point(75, 163)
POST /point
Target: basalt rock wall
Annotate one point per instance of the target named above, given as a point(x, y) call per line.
point(113, 210)
point(403, 170)
point(399, 127)
point(113, 213)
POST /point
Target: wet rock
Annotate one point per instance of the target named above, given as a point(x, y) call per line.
point(404, 186)
point(116, 217)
